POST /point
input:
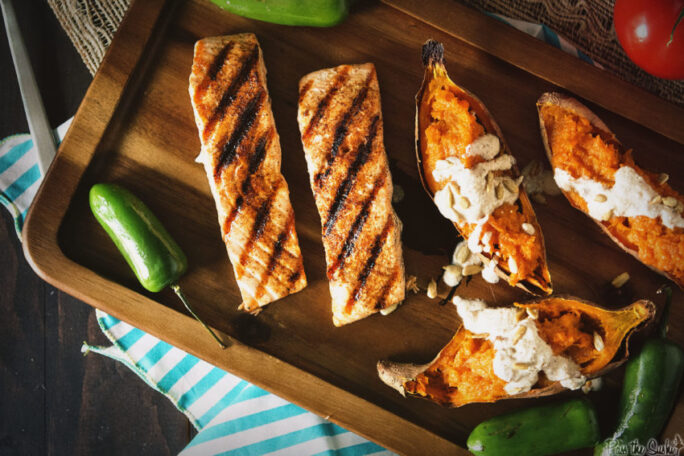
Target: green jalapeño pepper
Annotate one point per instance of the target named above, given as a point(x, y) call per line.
point(155, 257)
point(649, 391)
point(537, 431)
point(316, 13)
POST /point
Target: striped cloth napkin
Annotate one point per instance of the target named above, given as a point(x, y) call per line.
point(233, 417)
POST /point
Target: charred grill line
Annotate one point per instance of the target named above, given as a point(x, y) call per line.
point(219, 61)
point(340, 79)
point(295, 276)
point(347, 184)
point(228, 223)
point(278, 247)
point(342, 128)
point(370, 263)
point(245, 122)
point(255, 161)
point(385, 288)
point(356, 228)
point(231, 92)
point(304, 90)
point(214, 70)
point(260, 220)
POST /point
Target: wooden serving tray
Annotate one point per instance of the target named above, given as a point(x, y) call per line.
point(136, 127)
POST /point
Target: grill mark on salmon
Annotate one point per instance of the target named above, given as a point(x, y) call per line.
point(241, 156)
point(385, 288)
point(345, 187)
point(370, 264)
point(214, 70)
point(278, 248)
point(245, 122)
point(228, 223)
point(303, 91)
point(257, 229)
point(340, 78)
point(342, 129)
point(255, 161)
point(356, 228)
point(231, 92)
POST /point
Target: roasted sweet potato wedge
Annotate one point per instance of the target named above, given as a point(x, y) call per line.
point(638, 209)
point(468, 170)
point(580, 341)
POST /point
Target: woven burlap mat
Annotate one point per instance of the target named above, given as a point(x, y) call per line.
point(587, 23)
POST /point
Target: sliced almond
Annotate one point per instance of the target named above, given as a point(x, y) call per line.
point(479, 336)
point(463, 202)
point(670, 201)
point(598, 342)
point(471, 269)
point(490, 182)
point(432, 289)
point(510, 185)
point(607, 215)
point(521, 366)
point(528, 228)
point(519, 333)
point(662, 178)
point(520, 315)
point(499, 191)
point(620, 280)
point(462, 253)
point(656, 200)
point(512, 265)
point(532, 313)
point(600, 198)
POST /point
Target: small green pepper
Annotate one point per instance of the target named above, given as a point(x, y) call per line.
point(537, 431)
point(649, 390)
point(154, 256)
point(316, 13)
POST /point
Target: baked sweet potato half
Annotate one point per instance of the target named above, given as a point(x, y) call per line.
point(467, 169)
point(534, 349)
point(638, 209)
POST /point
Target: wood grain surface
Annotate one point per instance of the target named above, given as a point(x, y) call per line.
point(53, 400)
point(136, 128)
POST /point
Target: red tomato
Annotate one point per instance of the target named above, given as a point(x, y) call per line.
point(643, 28)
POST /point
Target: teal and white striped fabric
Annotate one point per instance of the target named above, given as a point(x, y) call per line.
point(233, 416)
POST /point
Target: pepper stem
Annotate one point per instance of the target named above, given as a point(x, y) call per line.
point(176, 289)
point(679, 19)
point(666, 310)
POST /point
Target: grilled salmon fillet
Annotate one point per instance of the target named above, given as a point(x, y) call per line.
point(341, 126)
point(241, 155)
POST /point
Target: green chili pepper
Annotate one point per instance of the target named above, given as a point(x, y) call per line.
point(156, 259)
point(316, 13)
point(538, 431)
point(649, 390)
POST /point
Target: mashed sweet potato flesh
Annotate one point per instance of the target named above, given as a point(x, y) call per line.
point(463, 373)
point(583, 151)
point(451, 127)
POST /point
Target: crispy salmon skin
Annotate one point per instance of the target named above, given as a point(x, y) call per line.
point(342, 133)
point(241, 155)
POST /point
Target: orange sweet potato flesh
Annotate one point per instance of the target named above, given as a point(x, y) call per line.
point(463, 372)
point(583, 150)
point(450, 119)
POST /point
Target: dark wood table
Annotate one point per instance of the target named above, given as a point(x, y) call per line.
point(53, 400)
